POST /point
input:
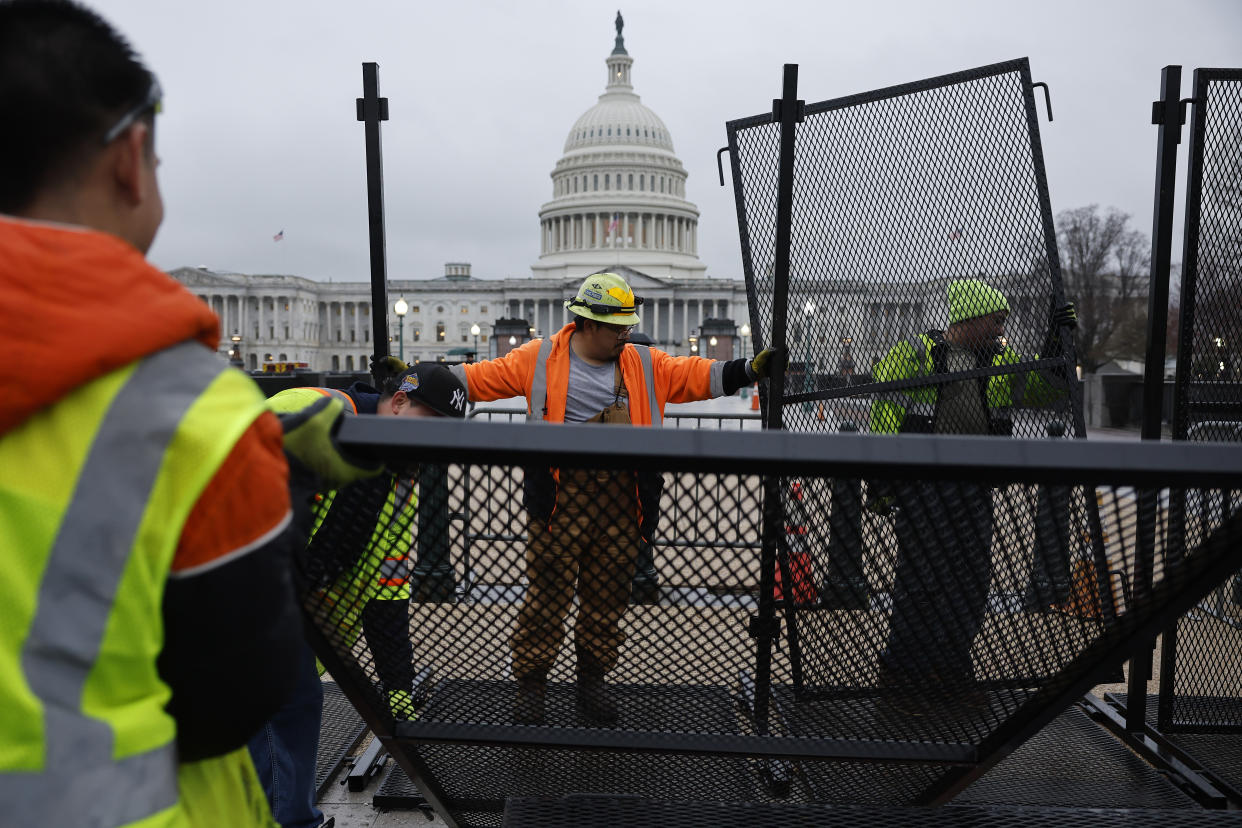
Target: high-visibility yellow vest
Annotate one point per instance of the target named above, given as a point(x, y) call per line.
point(913, 410)
point(382, 572)
point(94, 492)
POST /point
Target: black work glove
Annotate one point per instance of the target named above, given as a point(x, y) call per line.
point(1065, 316)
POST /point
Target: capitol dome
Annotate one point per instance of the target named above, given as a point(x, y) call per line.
point(618, 191)
point(615, 120)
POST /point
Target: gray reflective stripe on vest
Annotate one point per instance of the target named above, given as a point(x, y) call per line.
point(920, 350)
point(342, 396)
point(459, 370)
point(644, 355)
point(1018, 388)
point(393, 568)
point(716, 387)
point(538, 399)
point(75, 601)
point(920, 409)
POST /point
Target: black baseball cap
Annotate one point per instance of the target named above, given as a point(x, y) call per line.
point(434, 386)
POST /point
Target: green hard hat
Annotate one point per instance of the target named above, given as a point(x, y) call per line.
point(605, 297)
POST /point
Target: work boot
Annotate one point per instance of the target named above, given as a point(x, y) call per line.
point(900, 694)
point(595, 700)
point(962, 691)
point(531, 701)
point(401, 703)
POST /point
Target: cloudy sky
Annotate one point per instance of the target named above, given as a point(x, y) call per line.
point(259, 133)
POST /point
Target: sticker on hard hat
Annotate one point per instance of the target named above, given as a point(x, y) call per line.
point(625, 297)
point(591, 294)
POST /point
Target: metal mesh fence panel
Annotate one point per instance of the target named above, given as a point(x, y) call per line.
point(630, 813)
point(1202, 687)
point(920, 212)
point(538, 674)
point(923, 281)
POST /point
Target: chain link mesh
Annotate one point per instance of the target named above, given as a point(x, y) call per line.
point(898, 195)
point(525, 662)
point(1206, 689)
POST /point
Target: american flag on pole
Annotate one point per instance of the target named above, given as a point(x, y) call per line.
point(616, 217)
point(955, 234)
point(278, 236)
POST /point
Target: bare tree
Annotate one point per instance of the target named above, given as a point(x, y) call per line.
point(1105, 268)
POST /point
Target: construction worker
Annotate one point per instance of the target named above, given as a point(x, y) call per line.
point(585, 526)
point(145, 517)
point(358, 568)
point(944, 530)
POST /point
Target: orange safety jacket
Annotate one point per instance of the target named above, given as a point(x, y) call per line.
point(539, 371)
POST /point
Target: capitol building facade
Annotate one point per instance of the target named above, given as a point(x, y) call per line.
point(618, 203)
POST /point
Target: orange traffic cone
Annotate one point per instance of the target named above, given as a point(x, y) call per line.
point(754, 399)
point(800, 570)
point(821, 412)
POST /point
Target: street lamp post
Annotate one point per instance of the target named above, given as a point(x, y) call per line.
point(235, 357)
point(694, 344)
point(745, 332)
point(401, 308)
point(474, 331)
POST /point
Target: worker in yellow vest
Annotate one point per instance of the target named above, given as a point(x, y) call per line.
point(357, 563)
point(148, 623)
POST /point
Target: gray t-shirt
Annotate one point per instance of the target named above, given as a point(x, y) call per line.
point(591, 389)
point(961, 409)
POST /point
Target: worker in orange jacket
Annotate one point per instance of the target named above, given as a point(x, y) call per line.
point(585, 526)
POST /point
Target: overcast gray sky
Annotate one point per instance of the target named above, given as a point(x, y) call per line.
point(259, 133)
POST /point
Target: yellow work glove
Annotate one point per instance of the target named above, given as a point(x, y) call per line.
point(758, 367)
point(881, 506)
point(387, 368)
point(310, 439)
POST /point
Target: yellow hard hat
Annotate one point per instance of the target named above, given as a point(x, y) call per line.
point(605, 297)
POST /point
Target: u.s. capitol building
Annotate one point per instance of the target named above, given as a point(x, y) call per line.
point(618, 203)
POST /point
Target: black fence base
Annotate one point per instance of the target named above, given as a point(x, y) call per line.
point(630, 812)
point(340, 731)
point(1207, 765)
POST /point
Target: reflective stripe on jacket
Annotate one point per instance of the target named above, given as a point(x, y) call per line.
point(913, 410)
point(539, 371)
point(670, 379)
point(87, 736)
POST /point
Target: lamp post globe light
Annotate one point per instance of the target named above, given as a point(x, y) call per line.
point(474, 331)
point(401, 308)
point(745, 332)
point(235, 357)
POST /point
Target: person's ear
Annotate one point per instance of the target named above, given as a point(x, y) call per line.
point(399, 401)
point(130, 166)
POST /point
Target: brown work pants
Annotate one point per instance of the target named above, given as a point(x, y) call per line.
point(591, 545)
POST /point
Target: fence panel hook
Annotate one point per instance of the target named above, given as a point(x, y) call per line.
point(1047, 98)
point(719, 166)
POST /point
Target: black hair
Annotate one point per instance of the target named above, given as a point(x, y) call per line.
point(391, 384)
point(65, 77)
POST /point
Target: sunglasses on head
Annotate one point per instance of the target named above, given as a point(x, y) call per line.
point(152, 102)
point(606, 310)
